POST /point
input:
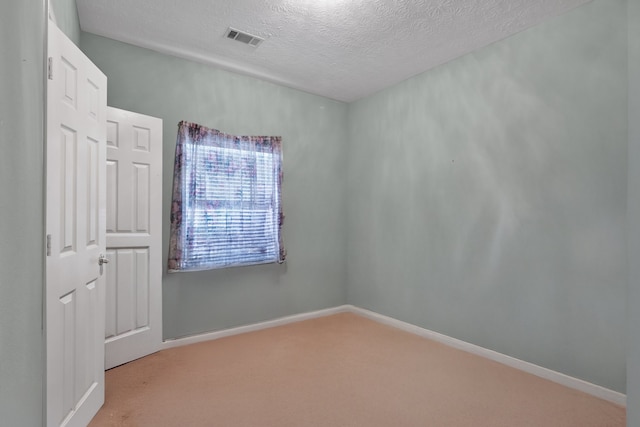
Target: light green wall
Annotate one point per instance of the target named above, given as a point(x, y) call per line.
point(22, 26)
point(633, 301)
point(66, 14)
point(314, 145)
point(487, 197)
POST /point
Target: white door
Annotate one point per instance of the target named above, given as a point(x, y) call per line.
point(75, 226)
point(134, 236)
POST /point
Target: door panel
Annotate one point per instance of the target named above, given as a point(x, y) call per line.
point(134, 239)
point(75, 224)
point(128, 290)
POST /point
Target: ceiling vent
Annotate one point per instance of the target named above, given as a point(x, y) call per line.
point(246, 38)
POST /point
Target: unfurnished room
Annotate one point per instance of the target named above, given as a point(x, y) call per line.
point(320, 213)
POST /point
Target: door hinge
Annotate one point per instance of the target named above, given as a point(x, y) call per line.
point(48, 244)
point(50, 68)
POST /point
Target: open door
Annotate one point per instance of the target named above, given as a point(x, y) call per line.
point(76, 233)
point(134, 236)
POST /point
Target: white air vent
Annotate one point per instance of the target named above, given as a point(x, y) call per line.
point(243, 37)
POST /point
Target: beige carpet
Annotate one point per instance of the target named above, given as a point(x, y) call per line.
point(341, 370)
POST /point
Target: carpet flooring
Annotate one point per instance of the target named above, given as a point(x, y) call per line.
point(339, 370)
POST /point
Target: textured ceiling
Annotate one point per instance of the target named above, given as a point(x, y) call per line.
point(341, 49)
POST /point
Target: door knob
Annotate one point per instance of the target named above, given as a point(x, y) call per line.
point(103, 260)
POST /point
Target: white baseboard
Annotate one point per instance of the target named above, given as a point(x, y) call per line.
point(539, 371)
point(548, 374)
point(254, 327)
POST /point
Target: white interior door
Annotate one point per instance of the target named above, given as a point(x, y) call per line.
point(134, 236)
point(75, 224)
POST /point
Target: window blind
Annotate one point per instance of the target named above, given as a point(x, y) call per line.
point(229, 202)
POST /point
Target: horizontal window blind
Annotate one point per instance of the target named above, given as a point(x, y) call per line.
point(230, 213)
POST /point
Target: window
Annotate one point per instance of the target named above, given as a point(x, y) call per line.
point(226, 208)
